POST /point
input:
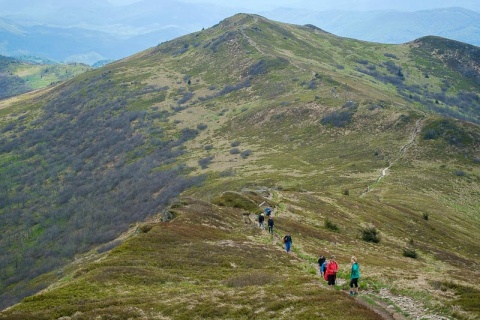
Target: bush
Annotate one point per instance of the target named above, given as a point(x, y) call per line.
point(205, 162)
point(331, 226)
point(371, 234)
point(459, 173)
point(337, 118)
point(410, 253)
point(245, 154)
point(235, 144)
point(202, 126)
point(425, 216)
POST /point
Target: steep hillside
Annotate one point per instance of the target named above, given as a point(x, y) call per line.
point(17, 76)
point(343, 138)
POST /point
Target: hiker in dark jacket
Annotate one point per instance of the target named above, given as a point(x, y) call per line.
point(261, 220)
point(270, 225)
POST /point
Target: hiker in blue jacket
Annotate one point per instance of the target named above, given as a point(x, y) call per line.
point(268, 211)
point(354, 276)
point(322, 265)
point(288, 242)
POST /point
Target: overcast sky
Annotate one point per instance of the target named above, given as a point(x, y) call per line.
point(324, 5)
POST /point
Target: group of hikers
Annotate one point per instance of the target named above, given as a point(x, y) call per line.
point(287, 239)
point(270, 223)
point(328, 268)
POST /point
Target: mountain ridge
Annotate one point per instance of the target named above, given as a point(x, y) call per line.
point(136, 27)
point(274, 112)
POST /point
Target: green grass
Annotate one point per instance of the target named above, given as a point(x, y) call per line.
point(207, 262)
point(182, 269)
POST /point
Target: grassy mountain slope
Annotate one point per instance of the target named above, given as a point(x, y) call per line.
point(207, 263)
point(345, 136)
point(17, 77)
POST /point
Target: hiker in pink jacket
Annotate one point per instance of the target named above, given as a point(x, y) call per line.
point(331, 272)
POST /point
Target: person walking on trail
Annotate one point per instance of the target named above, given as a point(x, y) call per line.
point(321, 265)
point(324, 267)
point(354, 276)
point(331, 272)
point(288, 242)
point(268, 211)
point(270, 225)
point(261, 221)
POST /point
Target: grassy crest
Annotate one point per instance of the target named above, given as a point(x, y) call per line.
point(341, 137)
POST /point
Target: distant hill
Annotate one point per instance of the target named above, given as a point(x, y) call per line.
point(132, 190)
point(69, 32)
point(390, 26)
point(20, 76)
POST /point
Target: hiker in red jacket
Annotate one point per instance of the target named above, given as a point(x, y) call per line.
point(331, 272)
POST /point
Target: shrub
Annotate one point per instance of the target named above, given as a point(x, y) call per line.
point(227, 173)
point(186, 96)
point(390, 55)
point(331, 226)
point(245, 154)
point(205, 162)
point(337, 119)
point(371, 234)
point(409, 253)
point(425, 216)
point(459, 173)
point(312, 85)
point(202, 126)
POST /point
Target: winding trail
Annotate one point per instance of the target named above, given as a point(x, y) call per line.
point(403, 150)
point(367, 299)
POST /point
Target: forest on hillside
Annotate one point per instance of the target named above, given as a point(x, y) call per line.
point(79, 175)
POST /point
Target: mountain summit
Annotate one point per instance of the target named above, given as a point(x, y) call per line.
point(133, 190)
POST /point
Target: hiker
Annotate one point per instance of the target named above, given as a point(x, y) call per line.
point(321, 265)
point(331, 272)
point(324, 267)
point(261, 220)
point(288, 242)
point(354, 275)
point(268, 211)
point(270, 225)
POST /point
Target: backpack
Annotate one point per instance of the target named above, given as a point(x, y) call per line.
point(324, 266)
